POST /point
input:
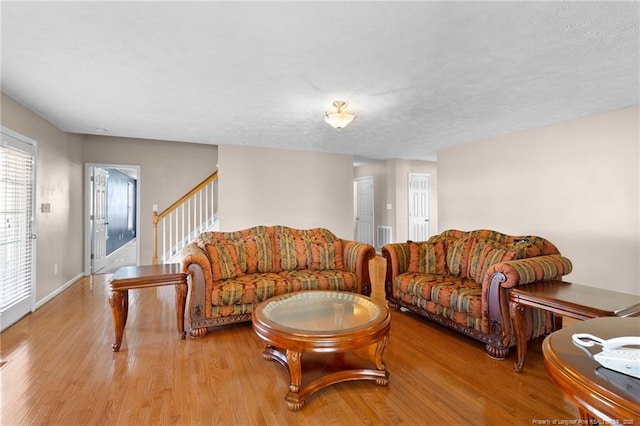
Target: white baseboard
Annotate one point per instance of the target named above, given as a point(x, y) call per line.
point(56, 292)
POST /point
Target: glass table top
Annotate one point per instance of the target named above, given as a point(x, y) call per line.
point(318, 311)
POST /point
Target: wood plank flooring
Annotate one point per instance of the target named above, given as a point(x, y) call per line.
point(59, 369)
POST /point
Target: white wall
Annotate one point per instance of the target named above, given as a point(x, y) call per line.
point(260, 186)
point(58, 182)
point(575, 183)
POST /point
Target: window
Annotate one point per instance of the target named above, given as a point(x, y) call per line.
point(17, 179)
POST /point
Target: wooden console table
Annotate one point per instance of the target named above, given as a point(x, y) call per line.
point(601, 394)
point(135, 277)
point(564, 298)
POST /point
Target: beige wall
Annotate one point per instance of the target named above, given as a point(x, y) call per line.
point(58, 182)
point(260, 186)
point(576, 183)
point(391, 186)
point(167, 171)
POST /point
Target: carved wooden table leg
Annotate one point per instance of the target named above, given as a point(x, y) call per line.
point(380, 364)
point(139, 277)
point(125, 307)
point(520, 330)
point(181, 301)
point(293, 400)
point(332, 355)
point(116, 301)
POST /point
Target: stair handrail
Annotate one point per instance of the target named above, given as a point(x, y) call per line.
point(174, 206)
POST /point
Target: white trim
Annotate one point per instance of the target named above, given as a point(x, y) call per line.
point(409, 176)
point(57, 291)
point(373, 205)
point(87, 208)
point(19, 141)
point(15, 313)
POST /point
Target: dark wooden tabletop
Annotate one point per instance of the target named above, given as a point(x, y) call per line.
point(602, 302)
point(147, 275)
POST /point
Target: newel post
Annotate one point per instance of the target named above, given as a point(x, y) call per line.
point(154, 260)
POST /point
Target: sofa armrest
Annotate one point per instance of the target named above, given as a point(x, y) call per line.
point(197, 265)
point(356, 257)
point(525, 271)
point(504, 275)
point(397, 257)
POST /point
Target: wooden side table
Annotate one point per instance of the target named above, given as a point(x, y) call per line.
point(135, 277)
point(601, 394)
point(564, 298)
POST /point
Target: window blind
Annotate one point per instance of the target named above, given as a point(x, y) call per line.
point(16, 220)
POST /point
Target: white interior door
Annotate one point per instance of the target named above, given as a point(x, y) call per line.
point(17, 227)
point(418, 207)
point(99, 240)
point(364, 210)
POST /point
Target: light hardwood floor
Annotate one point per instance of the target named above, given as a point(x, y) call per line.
point(58, 368)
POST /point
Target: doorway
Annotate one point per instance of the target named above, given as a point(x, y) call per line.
point(17, 235)
point(112, 198)
point(418, 207)
point(364, 210)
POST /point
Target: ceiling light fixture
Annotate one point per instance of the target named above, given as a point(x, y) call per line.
point(339, 119)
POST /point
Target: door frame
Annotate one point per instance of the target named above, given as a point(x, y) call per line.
point(30, 302)
point(373, 206)
point(428, 176)
point(88, 193)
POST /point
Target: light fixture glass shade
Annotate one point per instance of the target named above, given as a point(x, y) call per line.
point(339, 119)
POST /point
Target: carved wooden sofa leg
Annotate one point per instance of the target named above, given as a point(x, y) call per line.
point(197, 333)
point(393, 305)
point(496, 352)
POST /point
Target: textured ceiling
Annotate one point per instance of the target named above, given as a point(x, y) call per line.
point(420, 75)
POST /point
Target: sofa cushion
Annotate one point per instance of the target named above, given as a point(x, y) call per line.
point(416, 284)
point(485, 253)
point(307, 279)
point(525, 249)
point(292, 252)
point(258, 253)
point(326, 255)
point(493, 255)
point(461, 295)
point(458, 317)
point(225, 262)
point(428, 258)
point(458, 257)
point(249, 288)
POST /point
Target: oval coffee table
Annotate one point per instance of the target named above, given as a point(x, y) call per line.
point(330, 329)
point(603, 396)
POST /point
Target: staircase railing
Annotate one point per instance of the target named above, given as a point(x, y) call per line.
point(182, 221)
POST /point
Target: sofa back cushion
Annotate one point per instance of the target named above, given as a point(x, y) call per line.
point(258, 253)
point(326, 256)
point(263, 249)
point(428, 258)
point(536, 244)
point(458, 256)
point(489, 255)
point(292, 252)
point(293, 249)
point(225, 262)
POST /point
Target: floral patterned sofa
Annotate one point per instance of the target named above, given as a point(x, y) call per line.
point(230, 272)
point(461, 280)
